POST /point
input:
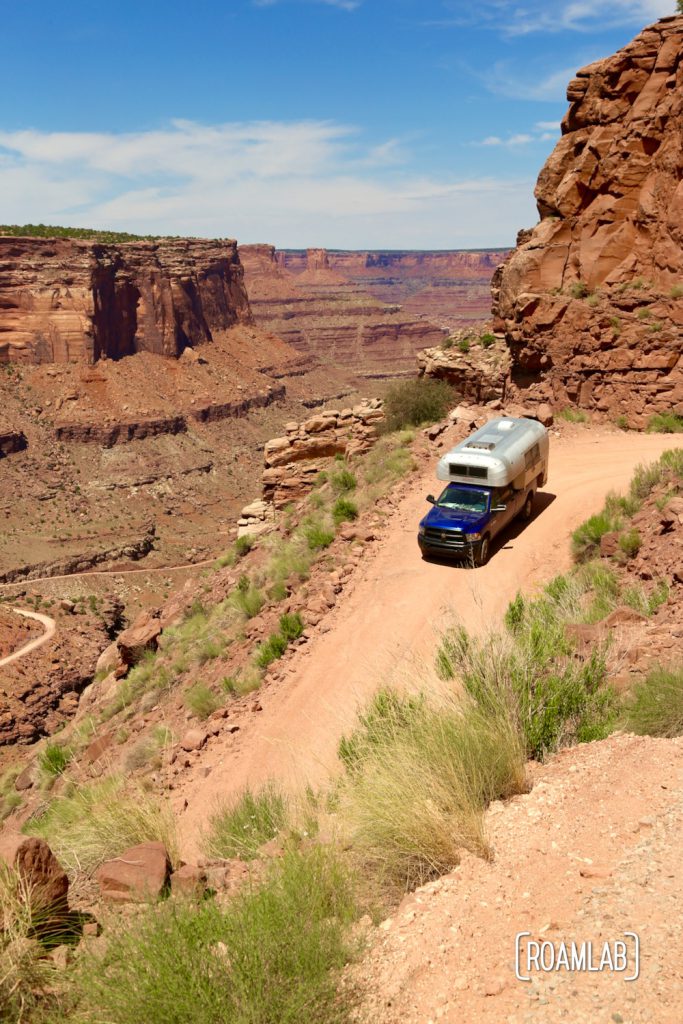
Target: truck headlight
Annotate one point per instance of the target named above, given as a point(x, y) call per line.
point(473, 536)
point(421, 530)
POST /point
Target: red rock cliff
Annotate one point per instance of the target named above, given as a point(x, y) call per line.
point(68, 300)
point(590, 301)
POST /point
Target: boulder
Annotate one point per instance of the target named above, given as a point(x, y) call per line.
point(189, 880)
point(194, 739)
point(140, 874)
point(108, 659)
point(38, 869)
point(139, 638)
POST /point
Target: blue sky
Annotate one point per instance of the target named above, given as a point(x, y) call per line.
point(340, 123)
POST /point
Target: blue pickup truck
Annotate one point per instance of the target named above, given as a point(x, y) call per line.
point(492, 478)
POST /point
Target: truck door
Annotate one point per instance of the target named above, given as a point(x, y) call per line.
point(505, 496)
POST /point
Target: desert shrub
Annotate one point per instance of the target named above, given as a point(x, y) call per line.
point(291, 558)
point(273, 954)
point(676, 292)
point(208, 649)
point(464, 345)
point(201, 700)
point(645, 479)
point(579, 290)
point(487, 340)
point(270, 650)
point(54, 759)
point(9, 798)
point(247, 600)
point(555, 698)
point(593, 300)
point(419, 779)
point(343, 481)
point(389, 461)
point(410, 403)
point(448, 343)
point(665, 423)
point(586, 537)
point(291, 626)
point(656, 706)
point(243, 545)
point(240, 828)
point(644, 313)
point(99, 820)
point(622, 422)
point(630, 542)
point(573, 415)
point(318, 536)
point(672, 460)
point(344, 510)
point(615, 324)
point(640, 600)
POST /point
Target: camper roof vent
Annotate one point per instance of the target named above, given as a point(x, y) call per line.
point(506, 424)
point(486, 443)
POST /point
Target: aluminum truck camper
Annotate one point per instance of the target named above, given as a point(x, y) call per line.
point(491, 477)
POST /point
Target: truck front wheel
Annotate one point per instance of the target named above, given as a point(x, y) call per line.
point(482, 552)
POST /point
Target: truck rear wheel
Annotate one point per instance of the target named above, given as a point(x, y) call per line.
point(528, 507)
point(482, 554)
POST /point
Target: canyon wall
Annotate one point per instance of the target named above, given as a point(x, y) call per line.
point(450, 288)
point(69, 300)
point(590, 301)
point(316, 308)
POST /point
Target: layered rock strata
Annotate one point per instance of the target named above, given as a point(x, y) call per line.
point(292, 462)
point(68, 300)
point(590, 301)
point(321, 312)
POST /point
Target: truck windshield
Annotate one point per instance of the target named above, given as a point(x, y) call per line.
point(464, 499)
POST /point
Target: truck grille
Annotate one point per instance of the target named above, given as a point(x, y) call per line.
point(445, 538)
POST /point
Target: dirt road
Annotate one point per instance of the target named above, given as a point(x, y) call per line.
point(387, 622)
point(32, 645)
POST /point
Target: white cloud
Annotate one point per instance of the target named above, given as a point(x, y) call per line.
point(297, 184)
point(343, 5)
point(539, 133)
point(514, 18)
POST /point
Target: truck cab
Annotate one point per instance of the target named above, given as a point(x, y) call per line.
point(491, 478)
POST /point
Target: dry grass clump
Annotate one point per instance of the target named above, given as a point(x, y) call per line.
point(656, 706)
point(98, 820)
point(238, 829)
point(419, 777)
point(25, 976)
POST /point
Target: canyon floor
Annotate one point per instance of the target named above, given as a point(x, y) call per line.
point(385, 629)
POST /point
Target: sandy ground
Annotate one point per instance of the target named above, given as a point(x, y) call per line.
point(388, 621)
point(593, 852)
point(32, 645)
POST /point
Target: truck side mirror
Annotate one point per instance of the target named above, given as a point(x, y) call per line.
point(431, 499)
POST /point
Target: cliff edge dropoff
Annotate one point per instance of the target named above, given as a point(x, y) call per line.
point(67, 300)
point(591, 299)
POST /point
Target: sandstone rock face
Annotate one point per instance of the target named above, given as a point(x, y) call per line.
point(38, 869)
point(68, 300)
point(590, 301)
point(293, 462)
point(478, 375)
point(139, 874)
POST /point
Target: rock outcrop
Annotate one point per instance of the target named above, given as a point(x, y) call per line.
point(590, 301)
point(11, 441)
point(293, 462)
point(476, 373)
point(68, 300)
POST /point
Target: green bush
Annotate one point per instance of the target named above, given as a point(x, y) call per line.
point(464, 345)
point(586, 537)
point(270, 650)
point(487, 340)
point(291, 626)
point(248, 600)
point(656, 706)
point(411, 403)
point(555, 698)
point(344, 510)
point(448, 343)
point(318, 537)
point(665, 423)
point(54, 759)
point(579, 290)
point(630, 542)
point(243, 545)
point(573, 415)
point(238, 830)
point(343, 481)
point(272, 954)
point(201, 700)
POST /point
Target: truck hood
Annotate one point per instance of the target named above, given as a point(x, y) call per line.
point(441, 518)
